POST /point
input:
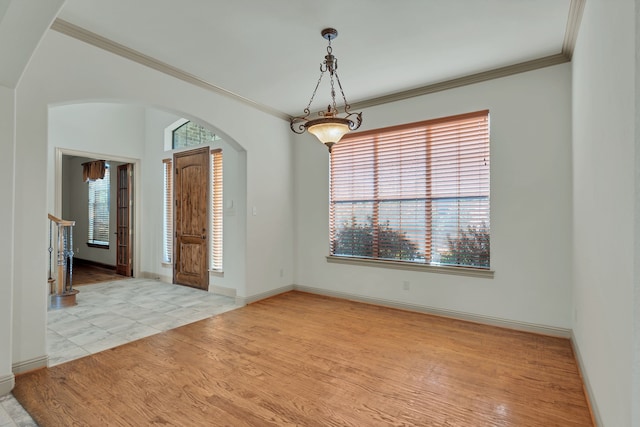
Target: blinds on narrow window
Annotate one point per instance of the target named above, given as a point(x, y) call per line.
point(416, 193)
point(167, 212)
point(216, 209)
point(99, 210)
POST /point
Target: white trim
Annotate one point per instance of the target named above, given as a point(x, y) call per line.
point(30, 365)
point(264, 295)
point(98, 41)
point(412, 266)
point(571, 32)
point(459, 315)
point(497, 73)
point(7, 383)
point(595, 413)
point(221, 290)
point(576, 8)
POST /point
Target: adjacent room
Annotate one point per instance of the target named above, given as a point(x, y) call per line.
point(439, 228)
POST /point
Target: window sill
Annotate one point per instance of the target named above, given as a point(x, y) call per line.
point(218, 273)
point(442, 269)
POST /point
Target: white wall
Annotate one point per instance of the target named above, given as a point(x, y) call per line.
point(635, 391)
point(603, 210)
point(101, 131)
point(66, 71)
point(7, 145)
point(530, 206)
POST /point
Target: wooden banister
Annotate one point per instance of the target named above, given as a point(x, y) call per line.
point(62, 294)
point(62, 222)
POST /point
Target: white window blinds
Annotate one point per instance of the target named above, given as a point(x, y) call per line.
point(99, 210)
point(216, 248)
point(216, 210)
point(167, 213)
point(415, 193)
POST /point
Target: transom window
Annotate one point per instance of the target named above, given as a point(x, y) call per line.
point(191, 134)
point(416, 193)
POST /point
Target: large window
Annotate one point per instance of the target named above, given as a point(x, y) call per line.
point(99, 211)
point(416, 193)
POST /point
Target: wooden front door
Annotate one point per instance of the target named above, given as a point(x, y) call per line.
point(124, 262)
point(191, 185)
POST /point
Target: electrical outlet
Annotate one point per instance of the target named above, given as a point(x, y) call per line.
point(406, 285)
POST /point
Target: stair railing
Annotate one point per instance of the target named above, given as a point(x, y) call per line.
point(61, 289)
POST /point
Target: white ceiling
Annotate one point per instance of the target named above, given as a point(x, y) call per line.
point(270, 51)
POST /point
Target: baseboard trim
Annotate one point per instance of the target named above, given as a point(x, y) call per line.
point(264, 295)
point(469, 317)
point(81, 261)
point(155, 276)
point(588, 391)
point(221, 290)
point(30, 365)
point(7, 383)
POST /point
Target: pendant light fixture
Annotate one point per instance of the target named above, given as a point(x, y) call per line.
point(331, 124)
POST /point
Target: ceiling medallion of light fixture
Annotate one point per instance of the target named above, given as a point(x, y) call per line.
point(330, 126)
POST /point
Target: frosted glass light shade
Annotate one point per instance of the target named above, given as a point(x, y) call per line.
point(328, 130)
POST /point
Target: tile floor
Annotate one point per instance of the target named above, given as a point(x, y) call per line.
point(111, 314)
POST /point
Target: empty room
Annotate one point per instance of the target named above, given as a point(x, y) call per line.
point(320, 213)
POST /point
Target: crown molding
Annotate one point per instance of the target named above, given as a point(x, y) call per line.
point(576, 9)
point(509, 70)
point(98, 41)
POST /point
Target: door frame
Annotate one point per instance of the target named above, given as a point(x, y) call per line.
point(57, 190)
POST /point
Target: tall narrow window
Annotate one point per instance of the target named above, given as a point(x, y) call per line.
point(414, 193)
point(167, 213)
point(216, 210)
point(99, 190)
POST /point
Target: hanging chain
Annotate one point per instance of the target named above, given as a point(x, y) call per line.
point(330, 63)
point(344, 98)
point(313, 95)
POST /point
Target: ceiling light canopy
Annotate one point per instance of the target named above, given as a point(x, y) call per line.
point(331, 125)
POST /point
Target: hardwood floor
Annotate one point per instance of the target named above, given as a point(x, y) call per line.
point(302, 359)
point(86, 274)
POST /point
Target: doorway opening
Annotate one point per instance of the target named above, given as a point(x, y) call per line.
point(104, 246)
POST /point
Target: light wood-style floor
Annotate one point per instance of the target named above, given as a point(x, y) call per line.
point(87, 274)
point(302, 359)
